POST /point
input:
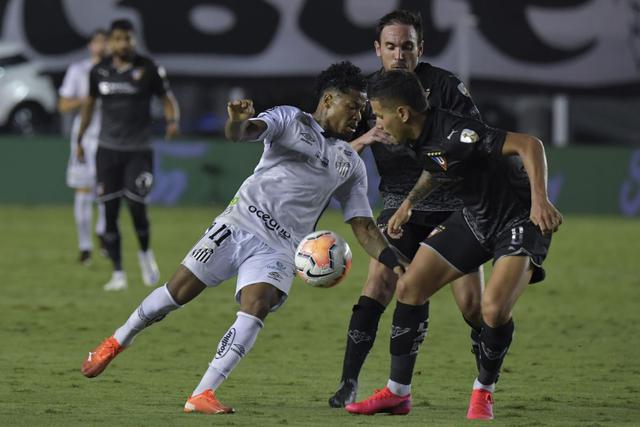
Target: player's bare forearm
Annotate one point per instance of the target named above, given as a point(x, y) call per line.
point(171, 115)
point(171, 108)
point(421, 189)
point(236, 130)
point(69, 105)
point(86, 114)
point(368, 235)
point(531, 151)
point(238, 126)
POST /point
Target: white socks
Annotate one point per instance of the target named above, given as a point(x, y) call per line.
point(82, 211)
point(152, 309)
point(478, 385)
point(233, 346)
point(399, 389)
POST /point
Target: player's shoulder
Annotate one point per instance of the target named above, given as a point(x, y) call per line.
point(283, 112)
point(431, 74)
point(455, 127)
point(103, 64)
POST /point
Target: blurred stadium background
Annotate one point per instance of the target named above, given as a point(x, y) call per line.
point(567, 71)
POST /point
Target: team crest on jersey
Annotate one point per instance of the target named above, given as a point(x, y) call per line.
point(343, 168)
point(440, 160)
point(468, 136)
point(137, 73)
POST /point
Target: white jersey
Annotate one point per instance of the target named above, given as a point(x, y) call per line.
point(76, 85)
point(300, 170)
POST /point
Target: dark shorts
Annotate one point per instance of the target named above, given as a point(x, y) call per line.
point(420, 225)
point(457, 244)
point(124, 173)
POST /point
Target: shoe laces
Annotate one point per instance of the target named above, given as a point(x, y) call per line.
point(108, 349)
point(379, 394)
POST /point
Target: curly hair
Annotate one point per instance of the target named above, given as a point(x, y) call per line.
point(342, 76)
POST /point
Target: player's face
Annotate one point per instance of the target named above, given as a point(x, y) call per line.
point(398, 47)
point(344, 112)
point(122, 43)
point(388, 120)
point(98, 45)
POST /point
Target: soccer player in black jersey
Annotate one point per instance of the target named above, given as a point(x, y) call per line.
point(501, 178)
point(125, 83)
point(399, 45)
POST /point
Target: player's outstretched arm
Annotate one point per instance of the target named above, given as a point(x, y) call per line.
point(238, 126)
point(422, 187)
point(372, 136)
point(69, 105)
point(531, 151)
point(374, 242)
point(86, 114)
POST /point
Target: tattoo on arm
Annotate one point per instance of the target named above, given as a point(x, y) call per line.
point(369, 236)
point(422, 187)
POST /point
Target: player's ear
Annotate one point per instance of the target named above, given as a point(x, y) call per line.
point(420, 48)
point(327, 99)
point(376, 45)
point(404, 113)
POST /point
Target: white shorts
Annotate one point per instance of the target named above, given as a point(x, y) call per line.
point(226, 251)
point(82, 175)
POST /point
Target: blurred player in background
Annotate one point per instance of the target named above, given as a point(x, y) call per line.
point(124, 83)
point(305, 162)
point(399, 45)
point(502, 179)
point(81, 175)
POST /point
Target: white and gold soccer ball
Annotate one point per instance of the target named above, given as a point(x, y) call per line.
point(323, 259)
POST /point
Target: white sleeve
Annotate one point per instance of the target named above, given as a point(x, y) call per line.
point(276, 120)
point(70, 86)
point(352, 194)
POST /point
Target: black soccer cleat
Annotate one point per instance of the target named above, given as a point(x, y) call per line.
point(85, 257)
point(345, 394)
point(103, 245)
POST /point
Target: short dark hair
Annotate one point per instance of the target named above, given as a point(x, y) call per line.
point(120, 24)
point(400, 86)
point(403, 17)
point(341, 76)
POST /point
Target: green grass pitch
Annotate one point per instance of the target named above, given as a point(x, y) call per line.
point(574, 360)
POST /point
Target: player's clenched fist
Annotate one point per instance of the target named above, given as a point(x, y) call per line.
point(240, 110)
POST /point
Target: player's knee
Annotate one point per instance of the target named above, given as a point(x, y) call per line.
point(407, 293)
point(258, 306)
point(380, 288)
point(494, 313)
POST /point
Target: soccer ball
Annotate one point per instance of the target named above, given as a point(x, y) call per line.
point(323, 259)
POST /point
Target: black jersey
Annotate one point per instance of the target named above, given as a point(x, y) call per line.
point(466, 155)
point(398, 169)
point(126, 101)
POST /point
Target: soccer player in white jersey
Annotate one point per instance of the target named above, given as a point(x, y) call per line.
point(81, 176)
point(305, 162)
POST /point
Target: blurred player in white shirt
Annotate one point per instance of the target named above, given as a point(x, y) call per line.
point(305, 162)
point(81, 176)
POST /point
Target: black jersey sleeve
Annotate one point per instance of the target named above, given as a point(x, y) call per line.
point(490, 141)
point(159, 82)
point(457, 98)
